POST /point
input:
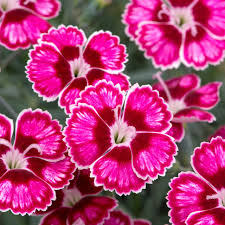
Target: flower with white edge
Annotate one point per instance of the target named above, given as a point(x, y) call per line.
point(199, 198)
point(187, 101)
point(35, 166)
point(79, 204)
point(65, 62)
point(172, 32)
point(23, 21)
point(120, 136)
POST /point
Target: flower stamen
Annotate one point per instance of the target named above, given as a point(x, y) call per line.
point(14, 160)
point(163, 84)
point(6, 143)
point(121, 132)
point(36, 146)
point(174, 105)
point(79, 67)
point(220, 195)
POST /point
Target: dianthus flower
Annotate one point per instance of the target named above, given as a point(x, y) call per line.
point(120, 136)
point(22, 21)
point(79, 204)
point(117, 217)
point(187, 100)
point(64, 62)
point(199, 198)
point(35, 165)
point(171, 32)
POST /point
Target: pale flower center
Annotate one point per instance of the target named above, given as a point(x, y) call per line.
point(79, 221)
point(14, 160)
point(121, 133)
point(181, 17)
point(175, 106)
point(72, 196)
point(6, 5)
point(79, 67)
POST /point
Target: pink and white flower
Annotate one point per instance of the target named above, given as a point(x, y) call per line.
point(120, 136)
point(22, 21)
point(117, 217)
point(187, 101)
point(35, 166)
point(78, 203)
point(199, 198)
point(64, 63)
point(171, 32)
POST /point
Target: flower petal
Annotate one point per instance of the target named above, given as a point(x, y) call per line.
point(6, 127)
point(146, 105)
point(211, 16)
point(45, 8)
point(71, 93)
point(117, 217)
point(6, 130)
point(205, 97)
point(209, 162)
point(87, 135)
point(37, 127)
point(140, 11)
point(176, 131)
point(95, 75)
point(48, 70)
point(152, 153)
point(57, 174)
point(92, 210)
point(105, 98)
point(212, 216)
point(191, 115)
point(23, 192)
point(56, 217)
point(57, 203)
point(161, 43)
point(201, 49)
point(188, 194)
point(20, 29)
point(178, 87)
point(178, 3)
point(104, 51)
point(114, 171)
point(67, 40)
point(84, 183)
point(3, 167)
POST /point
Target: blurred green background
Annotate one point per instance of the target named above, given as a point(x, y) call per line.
point(92, 15)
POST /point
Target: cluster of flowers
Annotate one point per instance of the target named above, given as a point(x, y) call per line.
point(118, 137)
